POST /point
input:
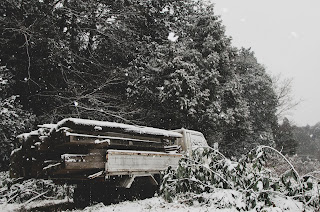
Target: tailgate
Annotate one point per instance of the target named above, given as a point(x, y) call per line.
point(127, 162)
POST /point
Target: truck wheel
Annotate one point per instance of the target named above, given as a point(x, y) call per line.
point(82, 196)
point(148, 191)
point(142, 188)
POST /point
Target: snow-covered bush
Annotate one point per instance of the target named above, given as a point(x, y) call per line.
point(209, 170)
point(13, 191)
point(13, 118)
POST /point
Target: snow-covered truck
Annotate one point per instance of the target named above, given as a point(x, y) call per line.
point(104, 159)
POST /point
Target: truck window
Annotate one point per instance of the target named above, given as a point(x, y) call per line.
point(197, 140)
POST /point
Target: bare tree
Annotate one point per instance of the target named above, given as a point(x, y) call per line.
point(286, 101)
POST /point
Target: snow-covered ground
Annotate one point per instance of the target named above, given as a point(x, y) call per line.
point(224, 200)
point(158, 204)
point(45, 204)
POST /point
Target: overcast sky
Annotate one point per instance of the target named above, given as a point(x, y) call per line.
point(285, 36)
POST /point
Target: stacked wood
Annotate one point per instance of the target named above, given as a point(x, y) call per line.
point(78, 147)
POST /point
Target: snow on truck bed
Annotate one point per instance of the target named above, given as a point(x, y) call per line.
point(75, 123)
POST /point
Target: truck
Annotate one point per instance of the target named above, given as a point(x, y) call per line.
point(105, 160)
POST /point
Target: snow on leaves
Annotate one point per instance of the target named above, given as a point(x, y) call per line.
point(255, 185)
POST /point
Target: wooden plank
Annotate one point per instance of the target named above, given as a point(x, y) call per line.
point(83, 165)
point(93, 160)
point(142, 153)
point(104, 126)
point(111, 142)
point(120, 135)
point(104, 137)
point(50, 169)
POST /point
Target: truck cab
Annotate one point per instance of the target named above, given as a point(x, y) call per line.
point(190, 140)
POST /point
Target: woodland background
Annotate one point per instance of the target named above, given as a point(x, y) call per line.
point(113, 60)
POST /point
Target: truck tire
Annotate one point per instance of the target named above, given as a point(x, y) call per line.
point(82, 196)
point(142, 188)
point(148, 191)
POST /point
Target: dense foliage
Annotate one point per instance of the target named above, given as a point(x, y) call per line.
point(308, 139)
point(12, 191)
point(285, 138)
point(256, 183)
point(13, 118)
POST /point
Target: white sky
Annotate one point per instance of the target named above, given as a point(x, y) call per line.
point(285, 36)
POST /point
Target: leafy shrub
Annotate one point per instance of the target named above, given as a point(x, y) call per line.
point(13, 118)
point(209, 170)
point(12, 191)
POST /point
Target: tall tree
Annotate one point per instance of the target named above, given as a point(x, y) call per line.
point(192, 82)
point(285, 140)
point(260, 96)
point(285, 100)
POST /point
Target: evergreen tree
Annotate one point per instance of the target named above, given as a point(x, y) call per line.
point(192, 82)
point(260, 96)
point(308, 138)
point(284, 138)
